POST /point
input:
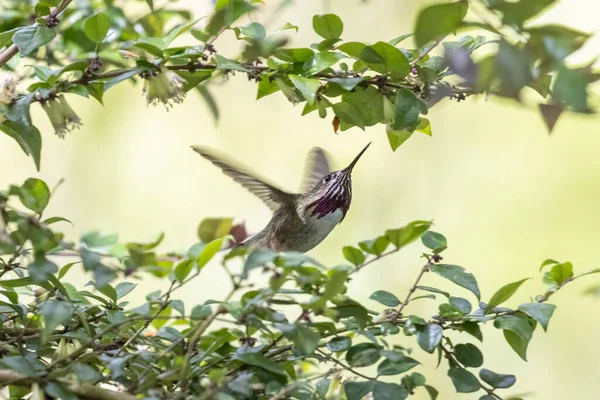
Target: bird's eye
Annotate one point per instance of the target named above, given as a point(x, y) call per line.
point(327, 178)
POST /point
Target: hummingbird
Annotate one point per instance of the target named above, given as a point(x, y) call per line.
point(302, 220)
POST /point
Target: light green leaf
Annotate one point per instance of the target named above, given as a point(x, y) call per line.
point(208, 252)
point(328, 26)
point(385, 298)
point(214, 228)
point(541, 312)
point(438, 20)
point(308, 87)
point(34, 194)
point(457, 275)
point(341, 343)
point(408, 233)
point(31, 38)
point(503, 294)
point(463, 380)
point(96, 27)
point(354, 255)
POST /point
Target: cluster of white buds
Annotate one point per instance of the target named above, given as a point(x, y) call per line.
point(163, 86)
point(61, 115)
point(8, 92)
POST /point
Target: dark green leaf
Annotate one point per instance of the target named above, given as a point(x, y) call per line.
point(18, 126)
point(516, 13)
point(201, 312)
point(395, 367)
point(55, 313)
point(30, 38)
point(34, 194)
point(408, 109)
point(305, 339)
point(433, 393)
point(53, 220)
point(468, 355)
point(541, 312)
point(389, 391)
point(433, 240)
point(457, 275)
point(472, 328)
point(123, 288)
point(96, 27)
point(497, 381)
point(550, 114)
point(513, 68)
point(328, 26)
point(503, 294)
point(385, 298)
point(386, 59)
point(363, 355)
point(517, 343)
point(341, 343)
point(438, 20)
point(258, 360)
point(150, 4)
point(41, 268)
point(358, 390)
point(433, 290)
point(463, 380)
point(570, 86)
point(518, 323)
point(58, 390)
point(429, 337)
point(226, 64)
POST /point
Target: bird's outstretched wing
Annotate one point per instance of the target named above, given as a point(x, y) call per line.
point(272, 196)
point(316, 168)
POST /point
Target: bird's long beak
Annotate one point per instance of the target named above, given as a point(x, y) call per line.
point(348, 169)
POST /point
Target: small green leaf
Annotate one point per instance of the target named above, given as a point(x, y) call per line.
point(124, 288)
point(376, 246)
point(308, 87)
point(457, 275)
point(65, 268)
point(513, 68)
point(200, 312)
point(328, 26)
point(561, 273)
point(463, 380)
point(266, 87)
point(354, 255)
point(429, 337)
point(518, 323)
point(386, 59)
point(363, 355)
point(31, 38)
point(305, 339)
point(397, 138)
point(41, 268)
point(438, 20)
point(385, 298)
point(541, 312)
point(473, 329)
point(517, 343)
point(389, 391)
point(468, 355)
point(433, 393)
point(548, 261)
point(34, 194)
point(183, 269)
point(341, 343)
point(408, 109)
point(497, 381)
point(503, 294)
point(150, 4)
point(408, 233)
point(55, 313)
point(433, 240)
point(209, 251)
point(395, 367)
point(96, 27)
point(258, 360)
point(227, 64)
point(358, 390)
point(320, 62)
point(53, 220)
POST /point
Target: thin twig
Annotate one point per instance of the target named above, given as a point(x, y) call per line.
point(428, 49)
point(341, 364)
point(414, 286)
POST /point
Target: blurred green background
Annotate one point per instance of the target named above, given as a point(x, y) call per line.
point(505, 194)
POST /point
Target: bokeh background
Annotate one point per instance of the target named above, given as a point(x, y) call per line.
point(504, 193)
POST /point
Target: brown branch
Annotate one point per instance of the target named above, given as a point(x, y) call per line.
point(414, 286)
point(83, 390)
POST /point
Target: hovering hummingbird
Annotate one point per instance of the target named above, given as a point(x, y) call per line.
point(300, 220)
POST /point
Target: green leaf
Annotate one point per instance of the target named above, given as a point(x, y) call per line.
point(227, 64)
point(266, 87)
point(124, 288)
point(214, 228)
point(55, 313)
point(385, 298)
point(349, 113)
point(209, 100)
point(548, 261)
point(328, 26)
point(408, 109)
point(341, 343)
point(429, 337)
point(41, 268)
point(561, 273)
point(308, 87)
point(570, 86)
point(354, 255)
point(541, 312)
point(551, 113)
point(150, 4)
point(497, 381)
point(209, 251)
point(358, 390)
point(397, 366)
point(294, 55)
point(363, 355)
point(434, 240)
point(438, 20)
point(34, 194)
point(517, 343)
point(468, 355)
point(473, 329)
point(513, 68)
point(320, 62)
point(516, 13)
point(463, 380)
point(18, 126)
point(457, 275)
point(386, 59)
point(200, 312)
point(253, 30)
point(65, 268)
point(376, 246)
point(389, 391)
point(305, 339)
point(183, 269)
point(96, 27)
point(335, 285)
point(258, 360)
point(397, 138)
point(53, 220)
point(503, 294)
point(149, 48)
point(408, 233)
point(518, 323)
point(31, 38)
point(433, 393)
